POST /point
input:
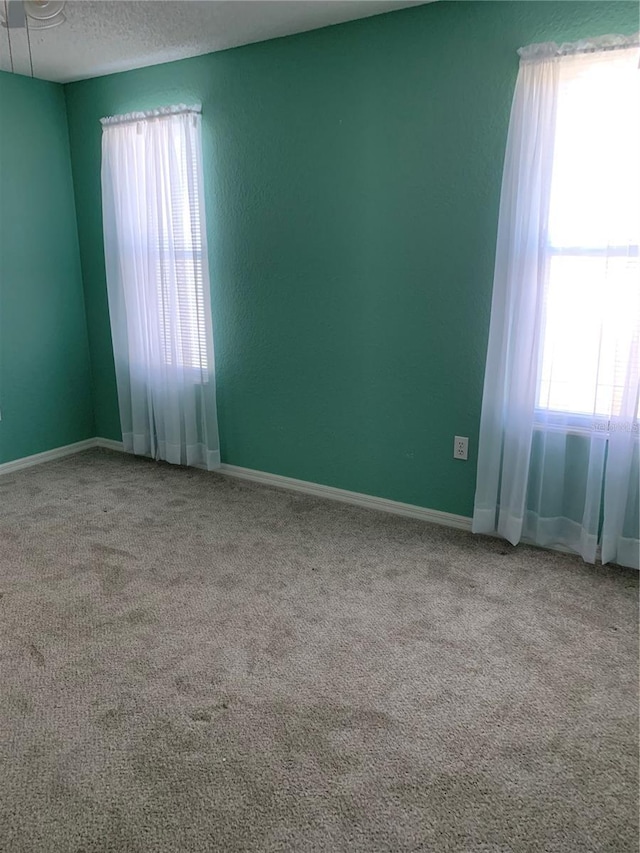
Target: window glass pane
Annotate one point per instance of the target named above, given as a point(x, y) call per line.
point(592, 308)
point(595, 190)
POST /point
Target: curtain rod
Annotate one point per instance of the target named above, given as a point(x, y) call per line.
point(552, 50)
point(160, 112)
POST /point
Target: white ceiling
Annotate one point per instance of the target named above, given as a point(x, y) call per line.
point(104, 36)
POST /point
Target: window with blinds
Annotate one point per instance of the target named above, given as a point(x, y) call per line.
point(179, 263)
point(591, 321)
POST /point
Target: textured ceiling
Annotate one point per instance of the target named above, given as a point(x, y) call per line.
point(103, 36)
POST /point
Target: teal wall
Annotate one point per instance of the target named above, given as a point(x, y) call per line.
point(45, 383)
point(353, 178)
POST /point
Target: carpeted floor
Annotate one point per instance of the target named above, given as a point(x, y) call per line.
point(193, 663)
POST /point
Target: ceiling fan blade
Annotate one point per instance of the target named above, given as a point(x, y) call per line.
point(16, 17)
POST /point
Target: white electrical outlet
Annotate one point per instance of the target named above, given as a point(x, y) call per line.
point(460, 447)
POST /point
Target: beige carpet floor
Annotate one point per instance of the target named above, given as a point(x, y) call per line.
point(193, 663)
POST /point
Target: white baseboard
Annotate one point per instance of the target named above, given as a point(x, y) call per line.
point(433, 516)
point(47, 456)
point(109, 444)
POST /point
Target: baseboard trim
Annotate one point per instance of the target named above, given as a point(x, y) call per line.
point(47, 456)
point(433, 516)
point(109, 444)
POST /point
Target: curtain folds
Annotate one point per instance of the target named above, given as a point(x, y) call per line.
point(558, 451)
point(158, 285)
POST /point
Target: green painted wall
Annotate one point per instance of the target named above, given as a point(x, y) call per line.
point(353, 179)
point(45, 382)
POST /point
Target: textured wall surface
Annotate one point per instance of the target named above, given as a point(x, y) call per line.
point(353, 180)
point(45, 386)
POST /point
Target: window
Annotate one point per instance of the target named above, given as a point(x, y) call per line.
point(179, 265)
point(153, 178)
point(592, 295)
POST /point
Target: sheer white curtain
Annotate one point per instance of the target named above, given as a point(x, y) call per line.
point(158, 285)
point(558, 454)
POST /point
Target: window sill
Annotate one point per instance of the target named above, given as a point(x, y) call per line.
point(568, 423)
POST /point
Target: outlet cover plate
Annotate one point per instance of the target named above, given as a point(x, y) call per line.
point(460, 447)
